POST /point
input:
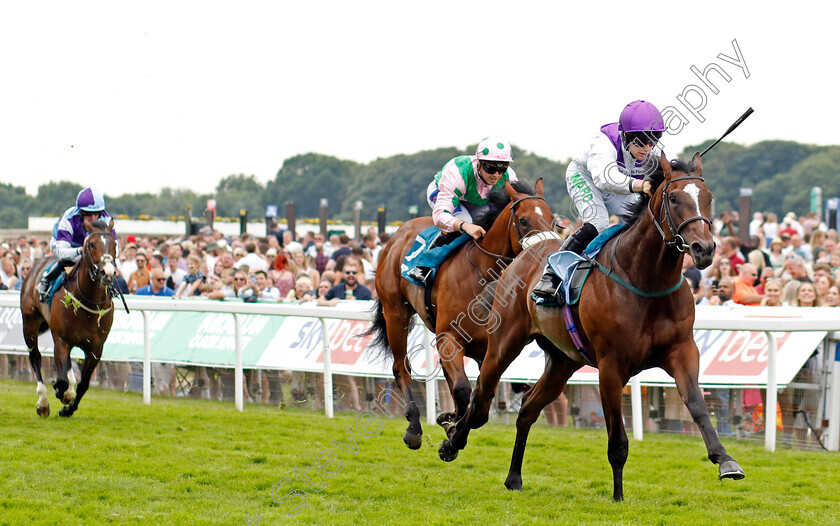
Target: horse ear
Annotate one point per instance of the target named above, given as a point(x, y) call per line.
point(510, 191)
point(111, 225)
point(87, 224)
point(698, 163)
point(666, 166)
point(539, 187)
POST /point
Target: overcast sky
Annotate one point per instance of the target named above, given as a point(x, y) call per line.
point(136, 97)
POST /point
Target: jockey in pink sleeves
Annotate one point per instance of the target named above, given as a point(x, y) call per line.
point(459, 192)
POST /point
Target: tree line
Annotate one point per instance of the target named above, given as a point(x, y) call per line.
point(781, 174)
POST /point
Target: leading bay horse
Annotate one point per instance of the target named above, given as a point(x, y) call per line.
point(80, 315)
point(625, 330)
point(458, 284)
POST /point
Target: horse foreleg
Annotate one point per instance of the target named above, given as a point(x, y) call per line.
point(502, 349)
point(63, 367)
point(88, 367)
point(611, 385)
point(683, 366)
point(558, 369)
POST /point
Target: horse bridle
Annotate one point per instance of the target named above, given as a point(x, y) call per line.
point(677, 241)
point(95, 271)
point(511, 224)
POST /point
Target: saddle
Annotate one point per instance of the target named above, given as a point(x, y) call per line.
point(573, 269)
point(420, 256)
point(56, 283)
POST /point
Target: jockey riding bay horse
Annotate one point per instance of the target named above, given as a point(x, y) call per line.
point(633, 314)
point(455, 292)
point(80, 315)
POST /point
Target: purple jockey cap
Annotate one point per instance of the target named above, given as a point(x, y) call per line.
point(640, 116)
point(90, 200)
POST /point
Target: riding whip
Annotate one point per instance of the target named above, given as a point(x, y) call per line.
point(737, 123)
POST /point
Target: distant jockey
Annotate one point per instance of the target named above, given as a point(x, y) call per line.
point(68, 234)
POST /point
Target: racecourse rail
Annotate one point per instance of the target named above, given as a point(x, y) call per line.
point(764, 319)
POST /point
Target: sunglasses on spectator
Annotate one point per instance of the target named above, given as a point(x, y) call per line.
point(351, 272)
point(492, 168)
point(160, 279)
point(26, 268)
point(238, 279)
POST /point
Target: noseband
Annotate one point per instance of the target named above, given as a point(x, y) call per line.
point(676, 241)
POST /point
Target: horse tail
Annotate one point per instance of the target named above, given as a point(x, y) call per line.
point(378, 347)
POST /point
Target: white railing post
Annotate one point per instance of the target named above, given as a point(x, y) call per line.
point(638, 413)
point(238, 381)
point(328, 379)
point(147, 361)
point(834, 408)
point(431, 379)
point(772, 395)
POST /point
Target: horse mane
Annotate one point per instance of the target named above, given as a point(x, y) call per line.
point(99, 224)
point(656, 179)
point(498, 200)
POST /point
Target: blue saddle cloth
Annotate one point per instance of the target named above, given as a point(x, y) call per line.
point(564, 263)
point(56, 284)
point(418, 256)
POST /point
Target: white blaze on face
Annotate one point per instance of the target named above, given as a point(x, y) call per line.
point(694, 191)
point(109, 269)
point(538, 211)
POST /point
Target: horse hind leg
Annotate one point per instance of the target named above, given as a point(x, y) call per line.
point(30, 336)
point(397, 326)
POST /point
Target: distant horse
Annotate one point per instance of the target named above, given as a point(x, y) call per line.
point(80, 315)
point(627, 330)
point(456, 288)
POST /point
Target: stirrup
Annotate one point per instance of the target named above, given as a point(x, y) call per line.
point(547, 290)
point(421, 274)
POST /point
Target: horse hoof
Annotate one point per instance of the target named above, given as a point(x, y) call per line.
point(43, 411)
point(447, 454)
point(65, 412)
point(731, 470)
point(445, 418)
point(514, 483)
point(413, 441)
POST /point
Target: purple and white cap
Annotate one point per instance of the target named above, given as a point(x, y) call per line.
point(640, 116)
point(90, 200)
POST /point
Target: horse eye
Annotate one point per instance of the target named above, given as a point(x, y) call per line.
point(523, 221)
point(672, 198)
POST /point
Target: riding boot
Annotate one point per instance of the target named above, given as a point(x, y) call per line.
point(578, 241)
point(423, 274)
point(48, 277)
point(549, 284)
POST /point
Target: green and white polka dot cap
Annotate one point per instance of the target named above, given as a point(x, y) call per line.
point(494, 149)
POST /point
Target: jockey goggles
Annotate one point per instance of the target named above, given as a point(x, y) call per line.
point(492, 168)
point(642, 139)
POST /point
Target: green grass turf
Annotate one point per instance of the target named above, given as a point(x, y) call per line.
point(199, 462)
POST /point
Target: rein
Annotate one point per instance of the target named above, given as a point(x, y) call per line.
point(524, 241)
point(676, 242)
